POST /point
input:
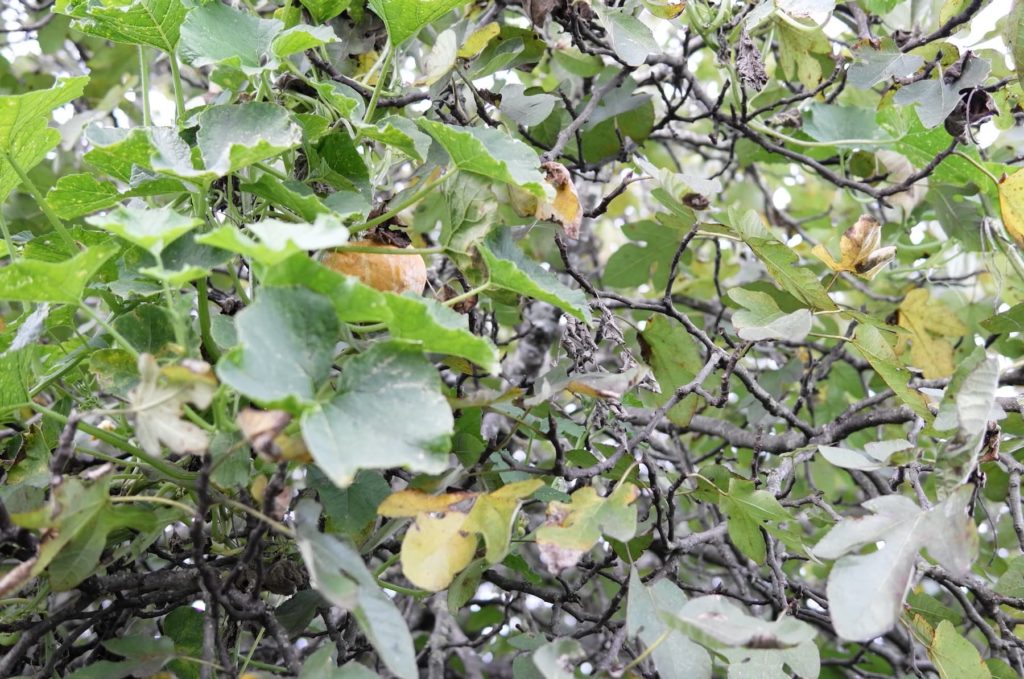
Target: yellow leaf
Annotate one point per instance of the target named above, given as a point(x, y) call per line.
point(609, 386)
point(365, 63)
point(493, 514)
point(258, 487)
point(929, 322)
point(415, 502)
point(565, 208)
point(480, 38)
point(435, 549)
point(442, 540)
point(860, 253)
point(573, 529)
point(1011, 205)
point(665, 9)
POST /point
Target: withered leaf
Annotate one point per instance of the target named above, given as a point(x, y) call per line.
point(565, 208)
point(860, 254)
point(749, 64)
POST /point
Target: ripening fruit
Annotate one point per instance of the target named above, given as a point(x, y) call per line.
point(389, 273)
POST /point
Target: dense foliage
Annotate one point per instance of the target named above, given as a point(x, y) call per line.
point(481, 338)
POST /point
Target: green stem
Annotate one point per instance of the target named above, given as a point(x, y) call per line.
point(277, 174)
point(379, 571)
point(102, 322)
point(205, 333)
point(262, 665)
point(468, 294)
point(147, 114)
point(980, 167)
point(180, 333)
point(255, 644)
point(411, 200)
point(819, 144)
point(647, 651)
point(389, 54)
point(408, 591)
point(236, 282)
point(51, 216)
point(120, 443)
point(179, 96)
point(372, 327)
point(197, 420)
point(256, 514)
point(155, 499)
point(825, 335)
point(11, 252)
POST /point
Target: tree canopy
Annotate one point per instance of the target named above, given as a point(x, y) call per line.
point(553, 338)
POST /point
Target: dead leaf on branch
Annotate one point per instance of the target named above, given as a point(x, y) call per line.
point(564, 209)
point(860, 253)
point(538, 10)
point(749, 64)
point(264, 432)
point(159, 398)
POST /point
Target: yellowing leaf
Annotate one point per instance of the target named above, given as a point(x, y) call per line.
point(442, 539)
point(480, 38)
point(859, 250)
point(665, 9)
point(263, 431)
point(435, 548)
point(414, 502)
point(493, 514)
point(930, 321)
point(609, 386)
point(565, 209)
point(572, 529)
point(365, 63)
point(1011, 205)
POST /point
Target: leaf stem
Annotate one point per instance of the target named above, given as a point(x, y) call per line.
point(276, 174)
point(389, 54)
point(102, 322)
point(155, 499)
point(980, 167)
point(372, 327)
point(256, 514)
point(819, 144)
point(51, 216)
point(11, 252)
point(179, 96)
point(409, 591)
point(196, 419)
point(252, 650)
point(647, 651)
point(166, 468)
point(205, 333)
point(468, 294)
point(147, 114)
point(391, 560)
point(180, 332)
point(411, 200)
point(825, 335)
